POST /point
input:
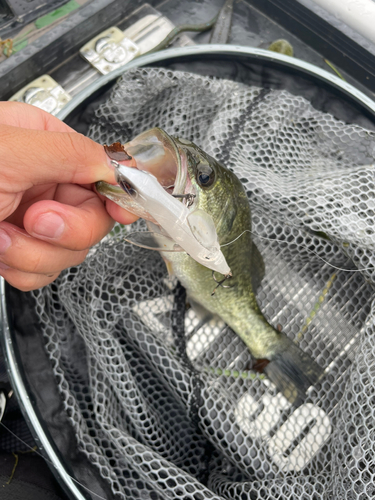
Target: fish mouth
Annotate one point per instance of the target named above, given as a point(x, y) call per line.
point(156, 152)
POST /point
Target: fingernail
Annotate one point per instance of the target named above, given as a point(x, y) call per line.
point(5, 241)
point(49, 225)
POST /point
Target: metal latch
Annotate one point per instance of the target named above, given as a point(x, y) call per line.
point(43, 93)
point(109, 50)
point(113, 48)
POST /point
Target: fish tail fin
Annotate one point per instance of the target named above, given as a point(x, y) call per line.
point(293, 372)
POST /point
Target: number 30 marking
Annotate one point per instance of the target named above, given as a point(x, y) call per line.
point(296, 441)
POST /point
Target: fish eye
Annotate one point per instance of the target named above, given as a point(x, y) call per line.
point(205, 176)
point(128, 188)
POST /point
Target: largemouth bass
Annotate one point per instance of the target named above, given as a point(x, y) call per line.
point(216, 191)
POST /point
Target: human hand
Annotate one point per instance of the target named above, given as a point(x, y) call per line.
point(50, 214)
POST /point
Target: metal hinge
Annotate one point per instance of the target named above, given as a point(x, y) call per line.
point(43, 93)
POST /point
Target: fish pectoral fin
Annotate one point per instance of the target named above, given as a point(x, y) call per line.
point(169, 266)
point(153, 241)
point(257, 267)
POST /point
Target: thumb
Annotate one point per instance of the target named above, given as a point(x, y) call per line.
point(31, 157)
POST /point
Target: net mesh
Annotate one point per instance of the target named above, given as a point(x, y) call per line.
point(165, 406)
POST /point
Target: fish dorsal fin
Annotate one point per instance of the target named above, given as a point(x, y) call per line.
point(153, 241)
point(257, 267)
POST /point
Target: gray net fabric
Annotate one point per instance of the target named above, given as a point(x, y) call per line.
point(166, 407)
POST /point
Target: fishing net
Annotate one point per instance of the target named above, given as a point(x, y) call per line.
point(164, 406)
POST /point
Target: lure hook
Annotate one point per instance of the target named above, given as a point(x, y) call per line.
point(220, 283)
point(189, 197)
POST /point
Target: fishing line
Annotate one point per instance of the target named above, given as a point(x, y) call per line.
point(51, 463)
point(305, 247)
